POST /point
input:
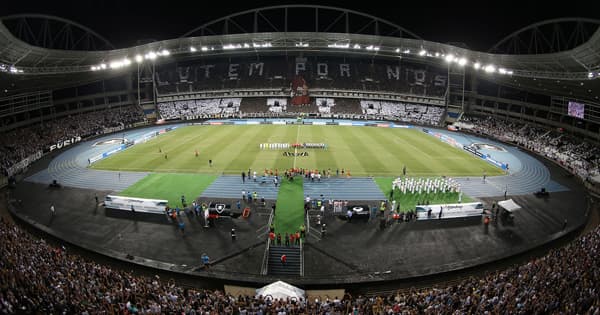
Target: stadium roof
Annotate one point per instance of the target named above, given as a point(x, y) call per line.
point(369, 37)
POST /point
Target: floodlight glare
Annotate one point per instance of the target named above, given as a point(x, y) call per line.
point(192, 48)
point(490, 69)
point(139, 58)
point(462, 61)
point(151, 55)
point(477, 65)
point(423, 52)
point(115, 65)
point(165, 52)
point(449, 58)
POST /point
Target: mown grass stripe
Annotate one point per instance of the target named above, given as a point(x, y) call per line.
point(289, 213)
point(170, 187)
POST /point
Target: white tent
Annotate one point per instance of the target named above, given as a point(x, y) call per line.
point(509, 205)
point(279, 290)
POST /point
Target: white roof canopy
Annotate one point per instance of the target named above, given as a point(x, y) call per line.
point(280, 290)
point(509, 205)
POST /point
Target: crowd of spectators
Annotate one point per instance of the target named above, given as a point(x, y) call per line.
point(580, 157)
point(405, 112)
point(196, 109)
point(37, 277)
point(276, 72)
point(17, 144)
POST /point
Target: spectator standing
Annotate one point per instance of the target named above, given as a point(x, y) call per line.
point(205, 261)
point(182, 227)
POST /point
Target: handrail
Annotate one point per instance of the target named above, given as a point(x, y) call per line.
point(265, 262)
point(301, 259)
point(307, 223)
point(270, 221)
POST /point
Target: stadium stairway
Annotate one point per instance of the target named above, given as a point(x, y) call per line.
point(293, 262)
point(355, 188)
point(231, 186)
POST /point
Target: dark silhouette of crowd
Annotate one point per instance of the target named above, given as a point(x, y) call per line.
point(18, 144)
point(37, 277)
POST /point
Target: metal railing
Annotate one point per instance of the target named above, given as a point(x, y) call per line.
point(307, 219)
point(265, 263)
point(301, 259)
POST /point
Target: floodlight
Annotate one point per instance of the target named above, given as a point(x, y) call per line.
point(192, 49)
point(151, 55)
point(490, 68)
point(138, 58)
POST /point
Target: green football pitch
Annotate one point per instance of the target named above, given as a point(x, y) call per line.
point(364, 151)
point(170, 187)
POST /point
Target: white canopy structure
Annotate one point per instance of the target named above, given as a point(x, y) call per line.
point(509, 205)
point(280, 290)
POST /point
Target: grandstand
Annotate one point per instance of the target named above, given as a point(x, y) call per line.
point(393, 155)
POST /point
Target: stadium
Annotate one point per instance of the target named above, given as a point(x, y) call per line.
point(298, 159)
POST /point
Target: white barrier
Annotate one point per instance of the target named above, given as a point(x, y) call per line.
point(449, 211)
point(157, 206)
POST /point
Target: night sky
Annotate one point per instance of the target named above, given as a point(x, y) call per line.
point(478, 26)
